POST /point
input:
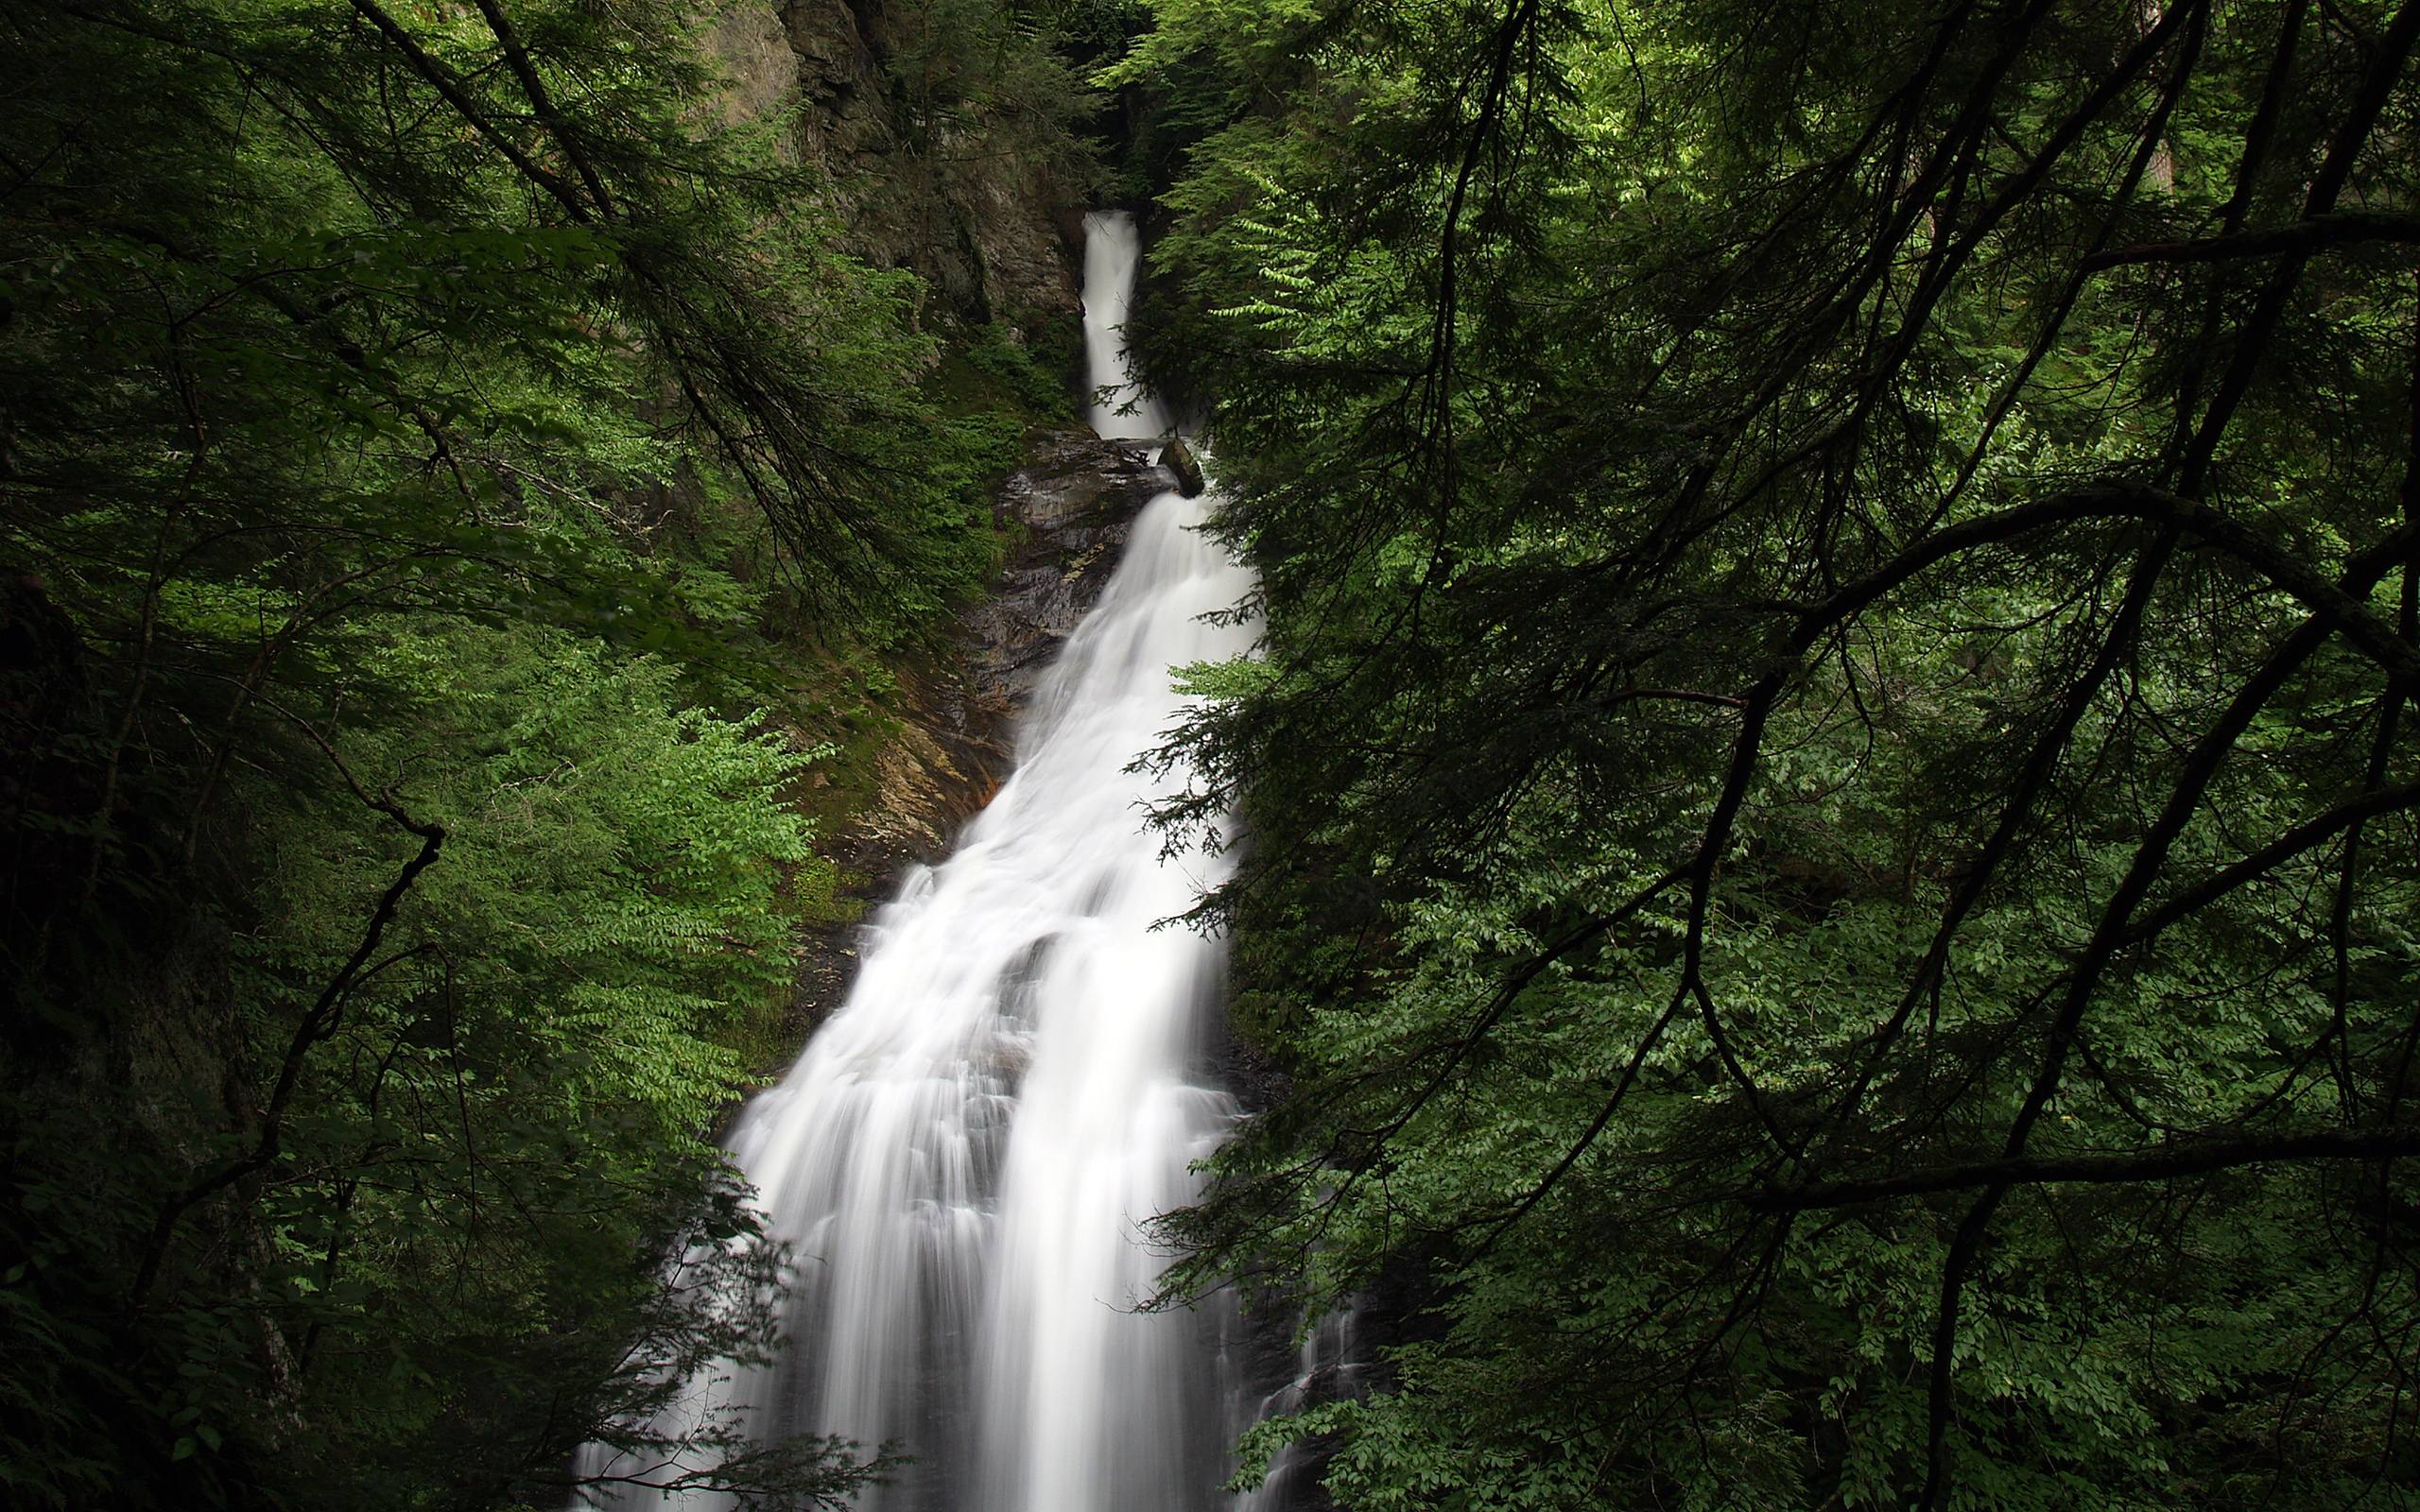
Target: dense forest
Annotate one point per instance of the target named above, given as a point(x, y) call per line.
point(1824, 897)
point(1831, 794)
point(458, 491)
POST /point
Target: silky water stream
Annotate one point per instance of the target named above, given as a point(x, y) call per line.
point(964, 1153)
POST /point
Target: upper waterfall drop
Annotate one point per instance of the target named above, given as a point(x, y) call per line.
point(1112, 262)
point(964, 1153)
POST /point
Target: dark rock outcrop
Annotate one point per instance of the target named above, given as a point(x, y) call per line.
point(983, 209)
point(1177, 457)
point(1073, 498)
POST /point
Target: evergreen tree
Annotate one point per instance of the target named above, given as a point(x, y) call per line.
point(416, 423)
point(1831, 791)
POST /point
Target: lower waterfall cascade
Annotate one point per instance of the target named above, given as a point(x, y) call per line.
point(964, 1153)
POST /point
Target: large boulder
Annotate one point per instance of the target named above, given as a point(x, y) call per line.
point(1178, 459)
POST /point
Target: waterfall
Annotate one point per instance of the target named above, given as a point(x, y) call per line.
point(1328, 1367)
point(964, 1153)
point(1113, 256)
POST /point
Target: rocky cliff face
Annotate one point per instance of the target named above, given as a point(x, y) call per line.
point(947, 137)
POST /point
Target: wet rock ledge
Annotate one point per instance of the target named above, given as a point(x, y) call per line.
point(1068, 510)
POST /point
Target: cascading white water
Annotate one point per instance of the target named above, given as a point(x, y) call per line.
point(1112, 253)
point(1327, 1368)
point(964, 1153)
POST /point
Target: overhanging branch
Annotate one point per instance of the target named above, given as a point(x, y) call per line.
point(2122, 499)
point(2198, 1157)
point(2344, 228)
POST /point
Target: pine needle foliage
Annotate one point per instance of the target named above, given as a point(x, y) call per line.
point(411, 416)
point(1832, 791)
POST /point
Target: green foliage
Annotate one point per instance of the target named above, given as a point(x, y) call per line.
point(1034, 382)
point(419, 426)
point(537, 1065)
point(1832, 879)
